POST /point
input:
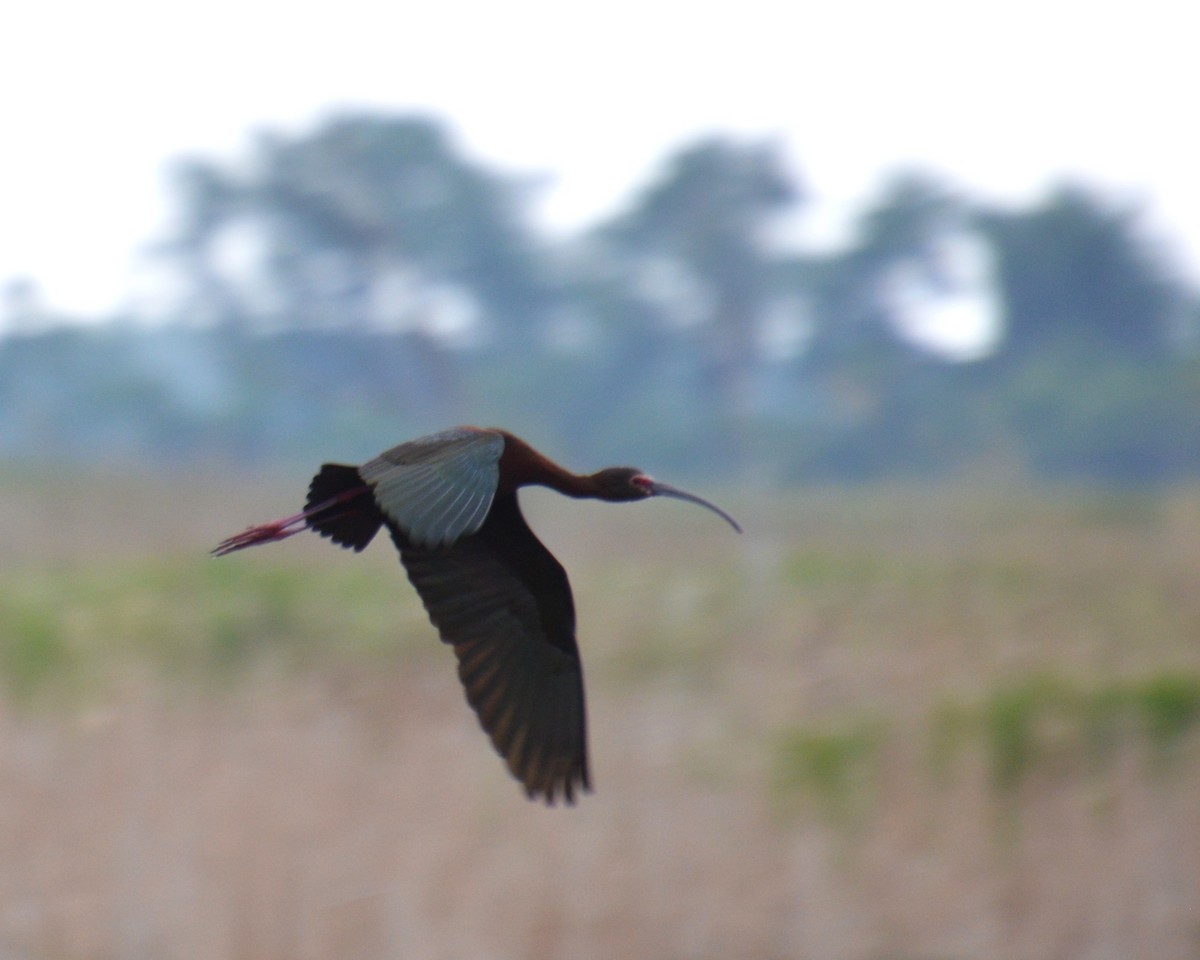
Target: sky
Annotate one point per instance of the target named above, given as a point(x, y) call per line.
point(1002, 100)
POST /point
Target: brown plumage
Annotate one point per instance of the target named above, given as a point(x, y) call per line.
point(493, 591)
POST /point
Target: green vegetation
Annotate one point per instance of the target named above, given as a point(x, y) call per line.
point(1039, 635)
point(835, 767)
point(1024, 723)
point(1169, 707)
point(75, 630)
point(953, 715)
point(1044, 723)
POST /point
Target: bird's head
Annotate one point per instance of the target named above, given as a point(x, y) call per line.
point(628, 483)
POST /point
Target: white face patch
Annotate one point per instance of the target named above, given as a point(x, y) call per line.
point(644, 483)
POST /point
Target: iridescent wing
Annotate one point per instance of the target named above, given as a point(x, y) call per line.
point(504, 603)
point(438, 488)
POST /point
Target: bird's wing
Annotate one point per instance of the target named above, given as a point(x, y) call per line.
point(440, 487)
point(504, 603)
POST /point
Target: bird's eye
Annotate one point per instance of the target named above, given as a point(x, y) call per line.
point(643, 483)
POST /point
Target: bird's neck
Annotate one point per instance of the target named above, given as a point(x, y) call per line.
point(578, 485)
point(522, 466)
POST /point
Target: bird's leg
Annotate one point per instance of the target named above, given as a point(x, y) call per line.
point(281, 529)
point(262, 533)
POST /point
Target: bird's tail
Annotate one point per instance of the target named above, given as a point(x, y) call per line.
point(341, 507)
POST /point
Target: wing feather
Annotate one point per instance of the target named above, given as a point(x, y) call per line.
point(438, 488)
point(504, 603)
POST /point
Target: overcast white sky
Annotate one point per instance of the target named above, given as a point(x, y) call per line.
point(1002, 99)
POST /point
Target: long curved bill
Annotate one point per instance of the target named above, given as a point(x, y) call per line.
point(658, 489)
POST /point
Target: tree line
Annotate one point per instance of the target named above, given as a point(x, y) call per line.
point(340, 288)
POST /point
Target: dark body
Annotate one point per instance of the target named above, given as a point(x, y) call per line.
point(493, 591)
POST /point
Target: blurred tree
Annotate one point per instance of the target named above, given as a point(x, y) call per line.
point(208, 201)
point(1077, 270)
point(369, 206)
point(1093, 366)
point(709, 217)
point(22, 306)
point(1105, 415)
point(856, 315)
point(371, 224)
point(888, 400)
point(349, 279)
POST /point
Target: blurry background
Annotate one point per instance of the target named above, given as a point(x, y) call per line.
point(914, 292)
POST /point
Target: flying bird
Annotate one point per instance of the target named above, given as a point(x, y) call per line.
point(492, 590)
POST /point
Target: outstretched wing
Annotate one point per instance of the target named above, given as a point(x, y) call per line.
point(438, 488)
point(504, 603)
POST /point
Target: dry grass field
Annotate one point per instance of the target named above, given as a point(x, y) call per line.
point(888, 725)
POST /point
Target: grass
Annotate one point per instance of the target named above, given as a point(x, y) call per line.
point(268, 755)
point(1041, 722)
point(835, 767)
point(81, 629)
